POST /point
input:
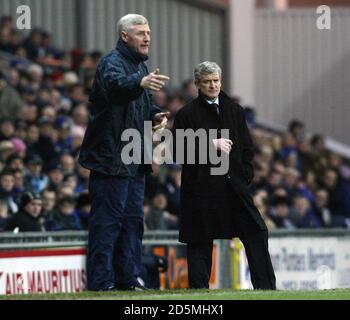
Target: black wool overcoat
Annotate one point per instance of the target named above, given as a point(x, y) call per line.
point(217, 206)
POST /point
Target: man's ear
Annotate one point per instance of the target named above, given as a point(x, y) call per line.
point(124, 36)
point(196, 82)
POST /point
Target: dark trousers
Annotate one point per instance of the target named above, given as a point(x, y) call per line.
point(199, 260)
point(199, 264)
point(115, 231)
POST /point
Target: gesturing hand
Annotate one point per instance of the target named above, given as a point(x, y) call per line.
point(154, 81)
point(223, 144)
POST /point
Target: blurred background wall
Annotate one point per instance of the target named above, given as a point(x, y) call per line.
point(303, 72)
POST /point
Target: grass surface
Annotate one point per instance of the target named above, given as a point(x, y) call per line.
point(338, 294)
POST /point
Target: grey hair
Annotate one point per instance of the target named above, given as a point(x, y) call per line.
point(205, 68)
point(129, 20)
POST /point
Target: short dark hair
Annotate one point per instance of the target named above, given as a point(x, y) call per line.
point(13, 157)
point(295, 123)
point(316, 138)
point(28, 197)
point(67, 199)
point(6, 172)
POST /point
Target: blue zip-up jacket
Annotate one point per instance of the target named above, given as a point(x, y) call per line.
point(118, 102)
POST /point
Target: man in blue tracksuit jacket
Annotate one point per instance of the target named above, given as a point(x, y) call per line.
point(120, 99)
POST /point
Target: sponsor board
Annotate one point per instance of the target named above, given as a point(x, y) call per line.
point(42, 271)
point(301, 263)
point(57, 270)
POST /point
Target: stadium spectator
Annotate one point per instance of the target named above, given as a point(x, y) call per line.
point(280, 212)
point(49, 203)
point(40, 145)
point(290, 181)
point(189, 90)
point(305, 155)
point(35, 180)
point(175, 102)
point(260, 200)
point(7, 129)
point(55, 175)
point(289, 147)
point(153, 182)
point(297, 129)
point(161, 98)
point(6, 150)
point(4, 214)
point(80, 117)
point(303, 215)
point(321, 207)
point(64, 217)
point(19, 188)
point(330, 183)
point(10, 101)
point(64, 143)
point(319, 153)
point(274, 181)
point(28, 218)
point(68, 163)
point(65, 190)
point(157, 217)
point(7, 184)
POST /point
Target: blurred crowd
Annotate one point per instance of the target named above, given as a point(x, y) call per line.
point(43, 116)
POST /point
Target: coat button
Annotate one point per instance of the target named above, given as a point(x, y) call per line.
point(228, 177)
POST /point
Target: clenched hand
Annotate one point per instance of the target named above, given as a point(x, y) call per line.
point(223, 144)
point(160, 120)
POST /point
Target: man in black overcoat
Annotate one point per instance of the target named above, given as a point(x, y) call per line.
point(220, 206)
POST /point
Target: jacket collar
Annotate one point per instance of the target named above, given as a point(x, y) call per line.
point(130, 54)
point(223, 98)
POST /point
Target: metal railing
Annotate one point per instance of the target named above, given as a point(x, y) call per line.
point(158, 237)
point(72, 238)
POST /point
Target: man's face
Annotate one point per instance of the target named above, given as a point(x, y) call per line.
point(321, 198)
point(138, 38)
point(34, 208)
point(49, 200)
point(35, 169)
point(67, 208)
point(7, 182)
point(209, 85)
point(67, 162)
point(282, 210)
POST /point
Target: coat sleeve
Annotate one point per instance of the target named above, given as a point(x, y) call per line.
point(117, 81)
point(246, 146)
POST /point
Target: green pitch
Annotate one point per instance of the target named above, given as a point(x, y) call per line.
point(338, 294)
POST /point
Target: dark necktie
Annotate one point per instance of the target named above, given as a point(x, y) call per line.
point(216, 108)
